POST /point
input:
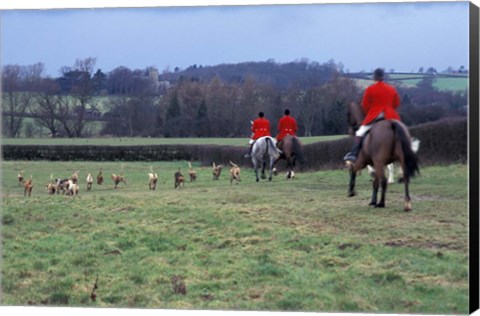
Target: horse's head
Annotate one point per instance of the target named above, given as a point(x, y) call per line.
point(354, 117)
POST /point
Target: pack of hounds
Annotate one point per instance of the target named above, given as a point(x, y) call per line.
point(70, 185)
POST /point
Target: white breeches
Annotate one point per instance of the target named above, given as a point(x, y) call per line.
point(365, 128)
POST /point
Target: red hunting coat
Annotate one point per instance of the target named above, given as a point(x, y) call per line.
point(287, 125)
point(380, 97)
point(260, 128)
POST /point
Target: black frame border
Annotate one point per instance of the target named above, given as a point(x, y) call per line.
point(474, 70)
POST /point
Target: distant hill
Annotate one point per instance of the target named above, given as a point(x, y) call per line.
point(281, 75)
point(304, 73)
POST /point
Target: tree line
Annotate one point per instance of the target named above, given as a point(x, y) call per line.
point(196, 102)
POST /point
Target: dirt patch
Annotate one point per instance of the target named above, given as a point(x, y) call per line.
point(423, 244)
point(178, 285)
point(124, 209)
point(348, 245)
point(114, 252)
point(429, 198)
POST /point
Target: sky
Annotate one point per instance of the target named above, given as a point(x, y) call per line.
point(362, 36)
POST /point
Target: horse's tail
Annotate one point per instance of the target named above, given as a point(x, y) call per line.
point(410, 158)
point(415, 144)
point(298, 150)
point(271, 148)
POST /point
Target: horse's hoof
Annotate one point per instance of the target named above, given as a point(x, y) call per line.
point(382, 205)
point(257, 180)
point(351, 193)
point(372, 203)
point(408, 206)
point(269, 179)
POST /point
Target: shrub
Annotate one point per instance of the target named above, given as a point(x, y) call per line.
point(442, 142)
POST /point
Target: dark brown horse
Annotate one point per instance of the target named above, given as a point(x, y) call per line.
point(386, 142)
point(292, 151)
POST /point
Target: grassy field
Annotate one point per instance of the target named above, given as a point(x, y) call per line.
point(125, 141)
point(459, 83)
point(455, 84)
point(285, 245)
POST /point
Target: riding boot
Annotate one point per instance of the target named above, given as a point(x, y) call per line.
point(249, 154)
point(357, 145)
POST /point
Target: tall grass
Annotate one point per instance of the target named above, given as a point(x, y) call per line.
point(297, 245)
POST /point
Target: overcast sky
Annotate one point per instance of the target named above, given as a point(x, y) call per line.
point(362, 36)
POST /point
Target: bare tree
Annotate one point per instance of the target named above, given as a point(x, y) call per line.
point(336, 94)
point(190, 97)
point(81, 89)
point(305, 102)
point(216, 98)
point(18, 82)
point(133, 110)
point(249, 103)
point(66, 114)
point(47, 109)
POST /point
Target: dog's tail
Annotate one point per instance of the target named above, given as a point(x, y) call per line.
point(233, 165)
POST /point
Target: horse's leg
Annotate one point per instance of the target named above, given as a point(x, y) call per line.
point(373, 201)
point(408, 203)
point(383, 183)
point(264, 164)
point(400, 176)
point(289, 168)
point(376, 183)
point(351, 186)
point(271, 169)
point(390, 173)
point(274, 169)
point(255, 166)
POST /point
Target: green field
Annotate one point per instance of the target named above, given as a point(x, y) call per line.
point(298, 245)
point(125, 141)
point(454, 84)
point(443, 83)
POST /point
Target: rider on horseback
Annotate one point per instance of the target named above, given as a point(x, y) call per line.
point(260, 128)
point(379, 102)
point(287, 125)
